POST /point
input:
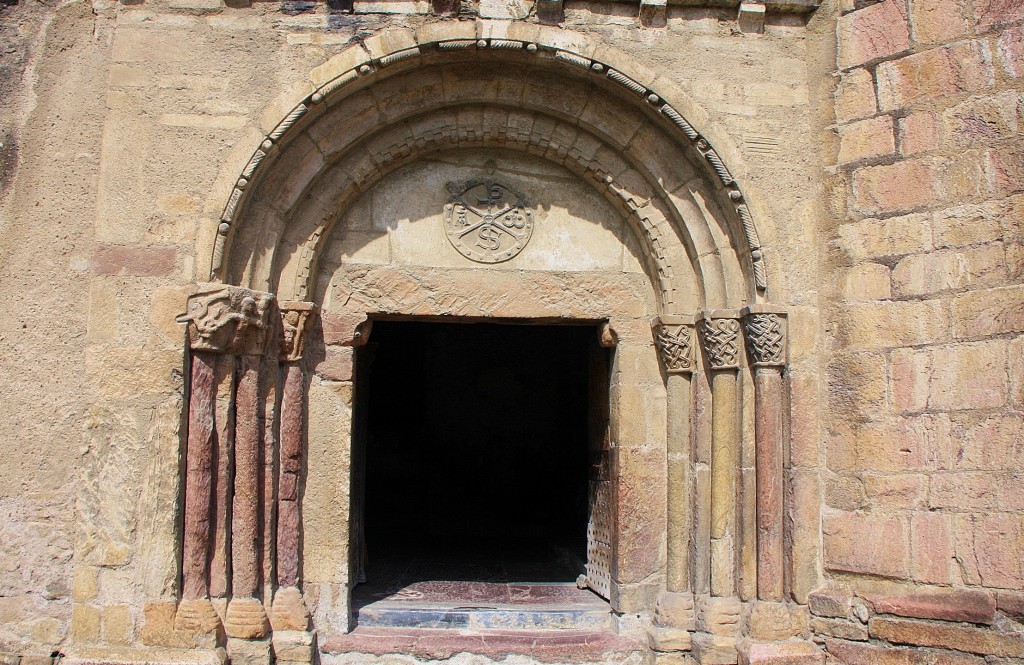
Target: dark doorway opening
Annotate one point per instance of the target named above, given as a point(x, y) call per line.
point(474, 453)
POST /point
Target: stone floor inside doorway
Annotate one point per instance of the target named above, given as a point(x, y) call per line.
point(492, 599)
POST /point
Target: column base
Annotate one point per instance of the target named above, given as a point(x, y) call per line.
point(197, 616)
point(246, 619)
point(676, 610)
point(249, 652)
point(289, 610)
point(294, 646)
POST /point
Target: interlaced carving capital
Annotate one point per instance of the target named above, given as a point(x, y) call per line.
point(296, 320)
point(721, 342)
point(675, 346)
point(228, 319)
point(766, 339)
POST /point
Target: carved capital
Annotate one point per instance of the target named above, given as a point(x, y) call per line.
point(296, 320)
point(674, 337)
point(720, 333)
point(766, 336)
point(227, 319)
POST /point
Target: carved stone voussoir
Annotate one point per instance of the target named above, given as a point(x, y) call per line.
point(766, 337)
point(227, 319)
point(674, 337)
point(296, 320)
point(720, 333)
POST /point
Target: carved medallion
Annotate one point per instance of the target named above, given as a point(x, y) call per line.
point(487, 221)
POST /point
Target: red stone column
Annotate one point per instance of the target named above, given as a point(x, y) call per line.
point(722, 348)
point(765, 331)
point(198, 477)
point(245, 615)
point(221, 320)
point(289, 610)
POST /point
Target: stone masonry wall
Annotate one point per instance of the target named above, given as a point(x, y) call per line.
point(131, 123)
point(924, 515)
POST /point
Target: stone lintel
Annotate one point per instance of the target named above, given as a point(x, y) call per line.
point(297, 318)
point(227, 319)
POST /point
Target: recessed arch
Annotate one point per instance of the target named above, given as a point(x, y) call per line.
point(387, 105)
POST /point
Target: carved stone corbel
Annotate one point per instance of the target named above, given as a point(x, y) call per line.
point(674, 337)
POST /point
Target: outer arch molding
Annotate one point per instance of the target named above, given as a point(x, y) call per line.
point(358, 66)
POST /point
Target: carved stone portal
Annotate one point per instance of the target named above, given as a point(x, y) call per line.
point(487, 221)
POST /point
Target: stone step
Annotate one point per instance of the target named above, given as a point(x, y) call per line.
point(370, 644)
point(483, 617)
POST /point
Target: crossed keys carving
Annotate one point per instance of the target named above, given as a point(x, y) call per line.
point(487, 221)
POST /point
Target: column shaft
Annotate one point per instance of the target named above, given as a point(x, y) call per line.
point(288, 518)
point(768, 427)
point(680, 483)
point(246, 534)
point(199, 479)
point(725, 466)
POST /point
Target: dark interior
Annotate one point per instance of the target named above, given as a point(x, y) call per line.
point(474, 451)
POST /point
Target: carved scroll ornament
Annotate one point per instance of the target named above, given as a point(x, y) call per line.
point(721, 342)
point(227, 319)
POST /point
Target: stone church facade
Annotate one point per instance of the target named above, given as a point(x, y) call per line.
point(779, 244)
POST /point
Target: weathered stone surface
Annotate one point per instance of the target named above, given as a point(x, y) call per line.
point(949, 636)
point(854, 653)
point(960, 605)
point(665, 638)
point(787, 653)
point(949, 70)
point(841, 628)
point(867, 139)
point(830, 602)
point(873, 33)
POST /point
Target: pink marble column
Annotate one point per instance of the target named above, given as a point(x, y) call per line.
point(765, 331)
point(289, 611)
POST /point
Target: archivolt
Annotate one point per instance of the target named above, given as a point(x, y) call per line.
point(387, 109)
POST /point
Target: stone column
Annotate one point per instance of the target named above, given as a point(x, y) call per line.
point(674, 337)
point(221, 320)
point(766, 343)
point(720, 335)
point(289, 611)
